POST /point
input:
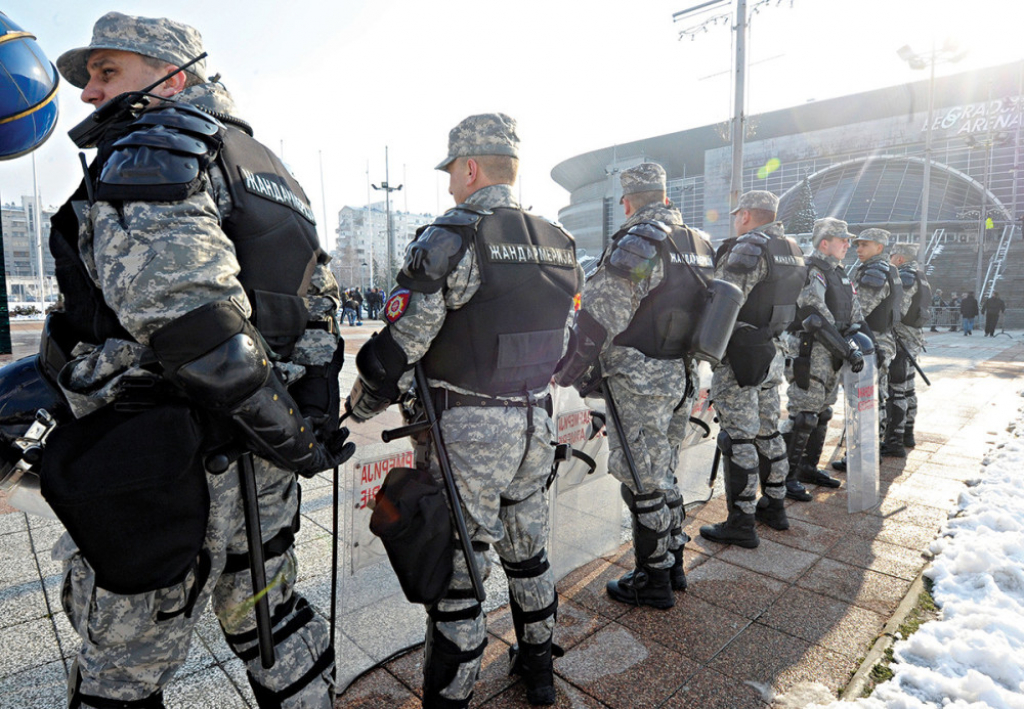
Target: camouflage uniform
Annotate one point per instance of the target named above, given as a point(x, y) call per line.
point(810, 407)
point(902, 393)
point(752, 412)
point(654, 397)
point(870, 299)
point(154, 262)
point(500, 456)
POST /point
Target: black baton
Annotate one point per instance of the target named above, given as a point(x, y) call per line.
point(613, 411)
point(913, 361)
point(423, 392)
point(250, 506)
point(714, 466)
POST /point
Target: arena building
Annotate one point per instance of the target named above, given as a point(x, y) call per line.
point(859, 158)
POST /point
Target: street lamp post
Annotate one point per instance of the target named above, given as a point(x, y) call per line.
point(388, 189)
point(948, 53)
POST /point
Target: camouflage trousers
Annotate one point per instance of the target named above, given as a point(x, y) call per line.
point(132, 645)
point(885, 351)
point(902, 394)
point(654, 427)
point(501, 470)
point(750, 417)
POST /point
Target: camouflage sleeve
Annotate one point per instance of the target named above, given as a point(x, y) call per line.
point(908, 297)
point(871, 297)
point(317, 347)
point(813, 295)
point(744, 281)
point(613, 300)
point(425, 313)
point(156, 261)
point(857, 311)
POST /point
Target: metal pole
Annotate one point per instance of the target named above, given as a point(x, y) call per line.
point(323, 200)
point(738, 127)
point(926, 188)
point(37, 219)
point(387, 207)
point(982, 221)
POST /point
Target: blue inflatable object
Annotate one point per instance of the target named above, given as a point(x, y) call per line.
point(28, 92)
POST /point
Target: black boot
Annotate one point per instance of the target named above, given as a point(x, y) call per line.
point(643, 587)
point(807, 468)
point(533, 662)
point(893, 449)
point(772, 511)
point(840, 465)
point(795, 490)
point(441, 660)
point(738, 528)
point(895, 429)
point(676, 575)
point(908, 436)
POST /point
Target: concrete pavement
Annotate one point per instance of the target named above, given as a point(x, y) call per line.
point(805, 606)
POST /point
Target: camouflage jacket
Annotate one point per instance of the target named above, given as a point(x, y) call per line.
point(912, 337)
point(157, 261)
point(425, 313)
point(614, 300)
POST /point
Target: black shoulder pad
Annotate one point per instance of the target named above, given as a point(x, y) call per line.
point(430, 258)
point(460, 217)
point(908, 278)
point(163, 158)
point(633, 255)
point(652, 230)
point(182, 117)
point(874, 276)
point(746, 254)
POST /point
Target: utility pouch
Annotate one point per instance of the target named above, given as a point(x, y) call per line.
point(411, 518)
point(129, 485)
point(750, 354)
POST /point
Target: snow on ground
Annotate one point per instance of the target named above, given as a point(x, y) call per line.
point(973, 655)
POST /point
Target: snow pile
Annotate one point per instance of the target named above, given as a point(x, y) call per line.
point(973, 656)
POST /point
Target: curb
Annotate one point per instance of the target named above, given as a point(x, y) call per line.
point(855, 687)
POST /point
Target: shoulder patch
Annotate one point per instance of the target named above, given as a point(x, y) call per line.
point(396, 305)
point(821, 277)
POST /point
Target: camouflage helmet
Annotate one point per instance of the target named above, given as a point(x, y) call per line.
point(645, 177)
point(879, 236)
point(484, 134)
point(829, 228)
point(758, 199)
point(906, 249)
point(157, 37)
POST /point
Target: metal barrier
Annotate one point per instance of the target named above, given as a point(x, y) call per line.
point(945, 318)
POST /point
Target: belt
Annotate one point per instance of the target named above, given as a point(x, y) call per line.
point(446, 399)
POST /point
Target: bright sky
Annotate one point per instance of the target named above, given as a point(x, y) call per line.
point(340, 81)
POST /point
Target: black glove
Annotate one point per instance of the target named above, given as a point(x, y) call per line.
point(856, 361)
point(329, 454)
point(364, 403)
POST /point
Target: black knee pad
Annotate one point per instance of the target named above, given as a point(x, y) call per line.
point(804, 421)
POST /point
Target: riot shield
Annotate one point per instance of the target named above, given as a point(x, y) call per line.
point(586, 508)
point(861, 393)
point(375, 620)
point(697, 450)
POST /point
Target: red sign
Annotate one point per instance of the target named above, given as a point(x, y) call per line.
point(370, 475)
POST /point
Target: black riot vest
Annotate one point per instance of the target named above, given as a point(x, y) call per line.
point(664, 324)
point(271, 226)
point(920, 310)
point(886, 313)
point(508, 338)
point(838, 292)
point(771, 303)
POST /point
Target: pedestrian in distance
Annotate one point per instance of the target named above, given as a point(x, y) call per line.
point(167, 365)
point(481, 285)
point(992, 308)
point(769, 269)
point(968, 312)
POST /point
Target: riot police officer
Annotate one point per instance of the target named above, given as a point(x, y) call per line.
point(172, 319)
point(880, 292)
point(915, 312)
point(769, 268)
point(638, 313)
point(827, 309)
point(483, 301)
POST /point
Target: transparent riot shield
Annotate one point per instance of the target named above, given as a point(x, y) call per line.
point(861, 392)
point(375, 620)
point(697, 451)
point(586, 508)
